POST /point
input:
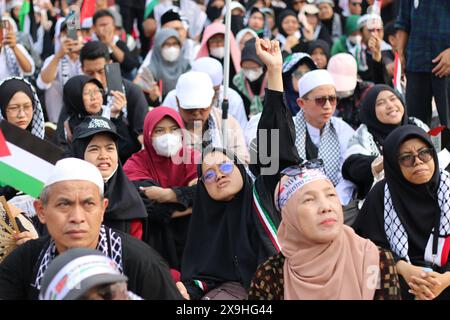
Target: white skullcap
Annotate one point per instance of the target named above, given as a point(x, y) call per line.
point(75, 169)
point(210, 66)
point(314, 79)
point(194, 90)
point(371, 18)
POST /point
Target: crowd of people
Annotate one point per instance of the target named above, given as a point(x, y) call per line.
point(321, 183)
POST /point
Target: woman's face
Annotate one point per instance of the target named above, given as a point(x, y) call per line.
point(318, 211)
point(171, 42)
point(221, 186)
point(388, 108)
point(290, 25)
point(325, 11)
point(256, 21)
point(297, 74)
point(320, 58)
point(419, 170)
point(312, 19)
point(92, 98)
point(102, 153)
point(19, 110)
point(165, 126)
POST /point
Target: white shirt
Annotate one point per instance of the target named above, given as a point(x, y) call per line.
point(236, 105)
point(54, 90)
point(5, 72)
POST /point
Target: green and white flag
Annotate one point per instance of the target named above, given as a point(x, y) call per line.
point(149, 6)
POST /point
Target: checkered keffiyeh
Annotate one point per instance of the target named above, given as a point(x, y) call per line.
point(109, 243)
point(37, 123)
point(395, 231)
point(329, 149)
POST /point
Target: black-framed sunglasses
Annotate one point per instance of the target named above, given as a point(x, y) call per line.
point(293, 171)
point(210, 175)
point(320, 101)
point(408, 160)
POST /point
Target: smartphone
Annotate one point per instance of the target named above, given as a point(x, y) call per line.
point(71, 27)
point(113, 77)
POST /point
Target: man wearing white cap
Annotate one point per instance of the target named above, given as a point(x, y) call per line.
point(214, 69)
point(72, 206)
point(195, 98)
point(317, 133)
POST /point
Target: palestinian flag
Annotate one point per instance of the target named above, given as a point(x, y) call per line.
point(25, 160)
point(398, 74)
point(149, 6)
point(87, 10)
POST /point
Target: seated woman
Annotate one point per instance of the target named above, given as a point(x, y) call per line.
point(164, 171)
point(382, 110)
point(21, 107)
point(319, 51)
point(84, 96)
point(223, 242)
point(95, 140)
point(320, 258)
point(408, 213)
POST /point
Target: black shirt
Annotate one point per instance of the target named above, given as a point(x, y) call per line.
point(148, 274)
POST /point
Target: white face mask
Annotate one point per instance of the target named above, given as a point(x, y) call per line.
point(355, 39)
point(217, 52)
point(170, 54)
point(253, 74)
point(167, 145)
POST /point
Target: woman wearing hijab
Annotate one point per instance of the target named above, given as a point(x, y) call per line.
point(319, 51)
point(382, 110)
point(243, 36)
point(21, 107)
point(167, 63)
point(256, 21)
point(95, 140)
point(408, 213)
point(330, 20)
point(223, 243)
point(251, 81)
point(289, 34)
point(294, 67)
point(320, 258)
point(213, 45)
point(164, 171)
point(84, 96)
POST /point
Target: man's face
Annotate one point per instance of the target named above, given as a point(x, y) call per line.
point(104, 28)
point(96, 69)
point(178, 27)
point(73, 214)
point(190, 116)
point(316, 114)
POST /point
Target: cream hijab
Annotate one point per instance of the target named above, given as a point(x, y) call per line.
point(345, 269)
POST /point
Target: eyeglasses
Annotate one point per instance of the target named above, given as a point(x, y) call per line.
point(90, 93)
point(293, 171)
point(408, 160)
point(210, 175)
point(320, 101)
point(15, 108)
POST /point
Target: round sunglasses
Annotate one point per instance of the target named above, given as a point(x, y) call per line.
point(210, 175)
point(408, 160)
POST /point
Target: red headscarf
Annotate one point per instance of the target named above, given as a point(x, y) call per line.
point(148, 165)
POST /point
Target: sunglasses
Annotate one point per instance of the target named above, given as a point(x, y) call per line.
point(210, 175)
point(408, 160)
point(320, 101)
point(293, 171)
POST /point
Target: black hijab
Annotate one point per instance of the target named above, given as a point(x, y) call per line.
point(319, 43)
point(283, 14)
point(73, 98)
point(417, 206)
point(220, 246)
point(368, 115)
point(125, 203)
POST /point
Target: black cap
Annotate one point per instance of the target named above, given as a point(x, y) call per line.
point(95, 124)
point(170, 15)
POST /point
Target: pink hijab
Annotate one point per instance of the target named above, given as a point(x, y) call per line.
point(213, 29)
point(148, 165)
point(345, 269)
